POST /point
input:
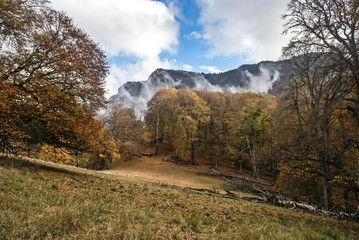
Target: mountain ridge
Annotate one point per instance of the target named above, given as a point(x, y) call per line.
point(263, 77)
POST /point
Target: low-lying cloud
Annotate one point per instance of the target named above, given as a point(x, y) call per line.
point(140, 36)
point(260, 83)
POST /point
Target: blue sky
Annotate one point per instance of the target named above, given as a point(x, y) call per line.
point(209, 36)
point(192, 48)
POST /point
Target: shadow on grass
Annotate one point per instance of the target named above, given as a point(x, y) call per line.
point(23, 164)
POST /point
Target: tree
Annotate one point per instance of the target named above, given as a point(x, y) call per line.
point(191, 121)
point(215, 135)
point(125, 128)
point(17, 17)
point(102, 149)
point(316, 97)
point(325, 88)
point(91, 146)
point(177, 117)
point(56, 71)
point(161, 116)
point(249, 123)
point(10, 121)
point(329, 26)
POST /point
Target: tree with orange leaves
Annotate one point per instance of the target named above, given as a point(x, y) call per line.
point(51, 77)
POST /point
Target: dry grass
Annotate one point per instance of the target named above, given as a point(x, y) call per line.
point(157, 169)
point(50, 203)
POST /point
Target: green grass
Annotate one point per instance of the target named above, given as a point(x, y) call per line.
point(45, 203)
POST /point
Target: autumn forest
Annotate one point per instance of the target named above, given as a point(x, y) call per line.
point(305, 139)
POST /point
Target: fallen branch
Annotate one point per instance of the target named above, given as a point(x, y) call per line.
point(147, 154)
point(264, 195)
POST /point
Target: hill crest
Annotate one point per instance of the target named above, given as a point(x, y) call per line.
point(263, 77)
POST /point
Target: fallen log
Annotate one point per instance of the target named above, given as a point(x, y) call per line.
point(264, 195)
point(147, 154)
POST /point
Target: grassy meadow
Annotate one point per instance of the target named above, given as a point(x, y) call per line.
point(43, 202)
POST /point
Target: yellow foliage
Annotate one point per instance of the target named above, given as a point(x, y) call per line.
point(52, 154)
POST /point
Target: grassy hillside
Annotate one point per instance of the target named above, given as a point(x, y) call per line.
point(38, 202)
point(158, 169)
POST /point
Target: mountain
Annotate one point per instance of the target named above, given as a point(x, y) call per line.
point(264, 77)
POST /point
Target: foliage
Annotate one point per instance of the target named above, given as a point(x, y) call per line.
point(161, 114)
point(125, 128)
point(56, 155)
point(216, 124)
point(318, 120)
point(191, 118)
point(295, 182)
point(51, 79)
point(249, 124)
point(215, 133)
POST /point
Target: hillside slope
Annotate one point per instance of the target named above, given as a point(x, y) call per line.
point(41, 202)
point(158, 170)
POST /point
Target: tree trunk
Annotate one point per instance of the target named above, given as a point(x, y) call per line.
point(157, 141)
point(217, 156)
point(274, 172)
point(77, 158)
point(327, 189)
point(252, 155)
point(255, 171)
point(193, 161)
point(323, 157)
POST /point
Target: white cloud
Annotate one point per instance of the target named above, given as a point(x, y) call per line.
point(140, 29)
point(240, 27)
point(143, 29)
point(138, 71)
point(187, 67)
point(210, 69)
point(195, 35)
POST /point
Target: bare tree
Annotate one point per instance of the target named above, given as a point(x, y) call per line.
point(325, 85)
point(317, 95)
point(327, 26)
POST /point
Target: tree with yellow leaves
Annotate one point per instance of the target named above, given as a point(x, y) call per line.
point(249, 123)
point(192, 118)
point(161, 116)
point(177, 118)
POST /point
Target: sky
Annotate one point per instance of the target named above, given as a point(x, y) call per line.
point(207, 36)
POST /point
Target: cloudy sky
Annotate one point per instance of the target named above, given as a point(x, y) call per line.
point(209, 36)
